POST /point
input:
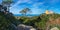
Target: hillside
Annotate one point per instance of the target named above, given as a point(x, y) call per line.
point(42, 22)
point(7, 21)
point(49, 21)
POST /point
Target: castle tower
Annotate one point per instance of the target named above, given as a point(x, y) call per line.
point(48, 12)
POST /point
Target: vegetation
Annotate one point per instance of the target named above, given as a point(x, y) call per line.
point(25, 11)
point(39, 22)
point(9, 22)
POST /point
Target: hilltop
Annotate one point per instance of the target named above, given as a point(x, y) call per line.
point(41, 22)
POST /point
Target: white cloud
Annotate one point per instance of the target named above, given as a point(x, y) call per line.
point(15, 10)
point(54, 1)
point(15, 4)
point(34, 8)
point(27, 1)
point(0, 1)
point(37, 10)
point(14, 7)
point(20, 1)
point(36, 5)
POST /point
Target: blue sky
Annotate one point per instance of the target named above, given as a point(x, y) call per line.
point(36, 6)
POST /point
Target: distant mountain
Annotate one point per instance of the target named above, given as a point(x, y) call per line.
point(27, 14)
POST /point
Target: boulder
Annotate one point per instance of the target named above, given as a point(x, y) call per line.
point(25, 27)
point(55, 28)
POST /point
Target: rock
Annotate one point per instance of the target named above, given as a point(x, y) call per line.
point(55, 28)
point(32, 29)
point(24, 27)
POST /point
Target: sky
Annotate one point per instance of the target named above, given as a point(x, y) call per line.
point(36, 6)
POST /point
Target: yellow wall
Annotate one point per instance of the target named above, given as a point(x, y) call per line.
point(47, 12)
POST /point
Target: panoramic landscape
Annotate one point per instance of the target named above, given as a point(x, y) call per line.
point(29, 14)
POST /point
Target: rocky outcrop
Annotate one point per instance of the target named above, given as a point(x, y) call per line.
point(55, 28)
point(52, 22)
point(24, 27)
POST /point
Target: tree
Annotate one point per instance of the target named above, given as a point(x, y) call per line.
point(25, 11)
point(1, 7)
point(7, 3)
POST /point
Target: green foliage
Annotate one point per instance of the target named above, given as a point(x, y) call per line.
point(7, 1)
point(38, 21)
point(6, 21)
point(24, 11)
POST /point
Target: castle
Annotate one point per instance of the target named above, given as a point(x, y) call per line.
point(48, 12)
